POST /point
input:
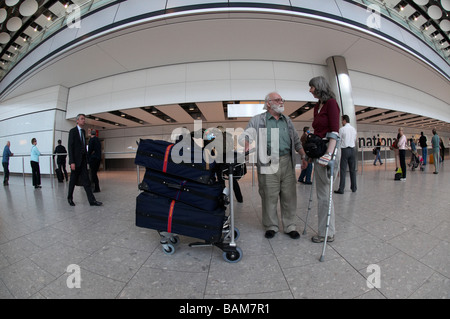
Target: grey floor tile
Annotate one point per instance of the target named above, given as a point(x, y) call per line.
point(253, 274)
point(331, 279)
point(165, 284)
point(92, 286)
point(401, 276)
point(384, 223)
point(25, 278)
point(115, 262)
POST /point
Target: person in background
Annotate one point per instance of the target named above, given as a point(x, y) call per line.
point(305, 175)
point(347, 133)
point(413, 151)
point(326, 120)
point(423, 145)
point(94, 156)
point(61, 159)
point(378, 155)
point(5, 162)
point(78, 162)
point(442, 146)
point(435, 145)
point(35, 170)
point(402, 152)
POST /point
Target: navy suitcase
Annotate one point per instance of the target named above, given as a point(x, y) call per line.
point(206, 197)
point(167, 215)
point(158, 155)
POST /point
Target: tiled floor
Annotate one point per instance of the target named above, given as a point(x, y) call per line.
point(403, 228)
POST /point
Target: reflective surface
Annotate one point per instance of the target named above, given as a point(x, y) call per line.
point(401, 227)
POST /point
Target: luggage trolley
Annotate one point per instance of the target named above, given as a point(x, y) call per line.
point(231, 252)
point(171, 215)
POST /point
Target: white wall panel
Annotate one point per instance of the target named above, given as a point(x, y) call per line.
point(166, 75)
point(31, 102)
point(217, 70)
point(328, 6)
point(165, 94)
point(129, 98)
point(208, 90)
point(258, 70)
point(180, 3)
point(131, 8)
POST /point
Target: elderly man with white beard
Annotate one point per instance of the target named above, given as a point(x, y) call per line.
point(276, 142)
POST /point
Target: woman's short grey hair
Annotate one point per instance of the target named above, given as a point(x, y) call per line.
point(322, 88)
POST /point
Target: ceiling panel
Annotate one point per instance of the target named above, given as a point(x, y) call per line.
point(176, 112)
point(99, 123)
point(212, 111)
point(366, 114)
point(381, 117)
point(117, 119)
point(307, 116)
point(144, 116)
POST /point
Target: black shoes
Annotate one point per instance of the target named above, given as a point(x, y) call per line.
point(271, 233)
point(96, 203)
point(294, 234)
point(339, 192)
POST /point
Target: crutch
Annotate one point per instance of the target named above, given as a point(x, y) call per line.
point(331, 165)
point(310, 199)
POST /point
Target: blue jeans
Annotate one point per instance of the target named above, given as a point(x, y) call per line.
point(306, 173)
point(424, 155)
point(377, 157)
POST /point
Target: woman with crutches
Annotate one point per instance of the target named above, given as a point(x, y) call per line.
point(326, 125)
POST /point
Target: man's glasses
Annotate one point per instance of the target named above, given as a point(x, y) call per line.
point(279, 101)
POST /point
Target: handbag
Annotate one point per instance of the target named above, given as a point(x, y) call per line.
point(315, 146)
point(374, 151)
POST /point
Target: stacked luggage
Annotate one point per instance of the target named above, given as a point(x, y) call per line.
point(183, 199)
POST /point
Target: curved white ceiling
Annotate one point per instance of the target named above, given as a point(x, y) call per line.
point(250, 34)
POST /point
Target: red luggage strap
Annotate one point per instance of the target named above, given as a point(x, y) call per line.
point(171, 208)
point(166, 157)
point(169, 222)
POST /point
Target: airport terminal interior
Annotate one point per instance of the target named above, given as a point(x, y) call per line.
point(146, 69)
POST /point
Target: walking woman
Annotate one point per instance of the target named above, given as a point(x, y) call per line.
point(326, 120)
point(402, 152)
point(36, 173)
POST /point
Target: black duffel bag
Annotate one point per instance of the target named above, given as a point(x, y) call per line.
point(315, 146)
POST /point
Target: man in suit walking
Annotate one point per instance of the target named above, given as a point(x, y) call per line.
point(78, 161)
point(94, 158)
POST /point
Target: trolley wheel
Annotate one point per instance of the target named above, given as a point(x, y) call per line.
point(233, 256)
point(237, 233)
point(168, 249)
point(175, 240)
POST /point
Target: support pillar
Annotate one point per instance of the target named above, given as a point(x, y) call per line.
point(340, 84)
point(342, 87)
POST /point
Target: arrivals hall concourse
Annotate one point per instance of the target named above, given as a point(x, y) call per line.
point(125, 84)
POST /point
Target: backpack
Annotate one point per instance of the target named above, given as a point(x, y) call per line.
point(315, 146)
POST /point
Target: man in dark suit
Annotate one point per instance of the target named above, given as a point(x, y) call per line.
point(61, 159)
point(94, 158)
point(78, 161)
